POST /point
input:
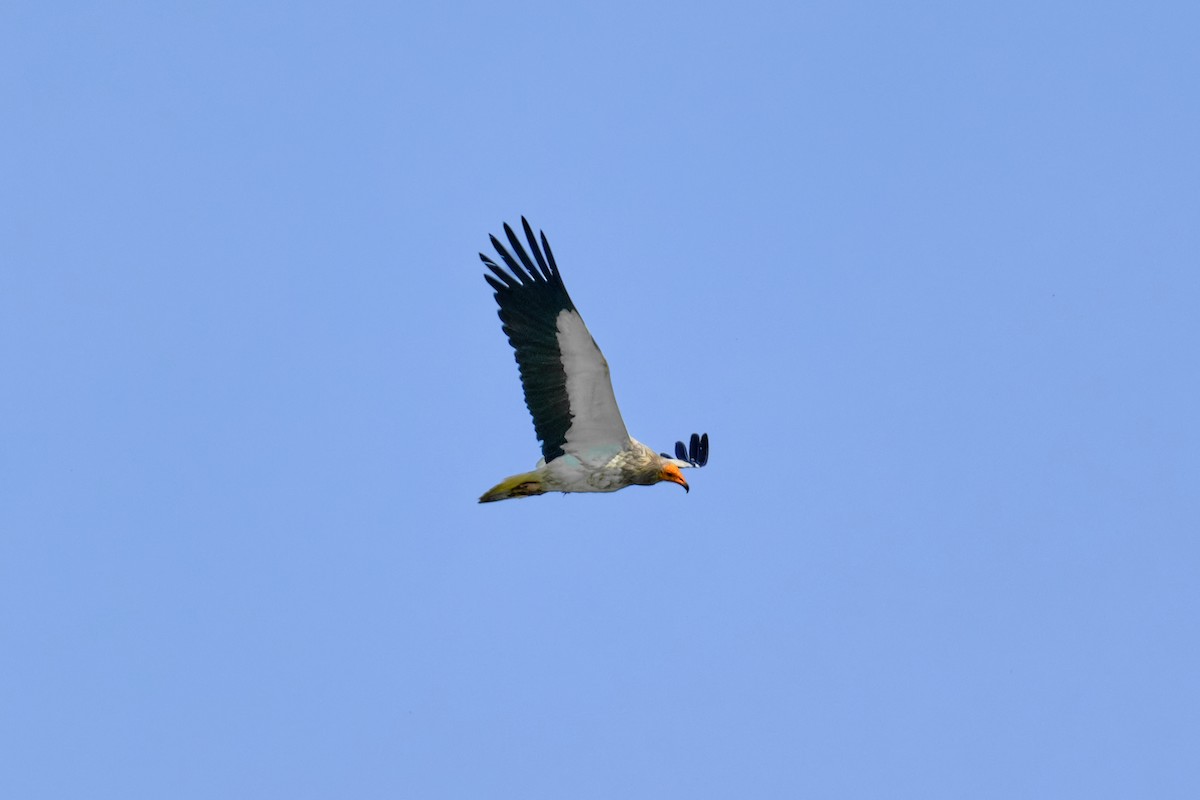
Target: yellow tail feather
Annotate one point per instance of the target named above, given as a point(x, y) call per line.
point(526, 484)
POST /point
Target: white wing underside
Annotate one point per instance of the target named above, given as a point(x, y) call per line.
point(597, 432)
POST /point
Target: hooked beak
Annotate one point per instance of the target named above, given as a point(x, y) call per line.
point(674, 476)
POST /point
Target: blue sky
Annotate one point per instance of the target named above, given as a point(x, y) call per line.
point(928, 274)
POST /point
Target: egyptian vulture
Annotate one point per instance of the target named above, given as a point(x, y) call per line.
point(585, 447)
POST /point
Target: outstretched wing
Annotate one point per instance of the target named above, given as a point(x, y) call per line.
point(694, 455)
point(564, 374)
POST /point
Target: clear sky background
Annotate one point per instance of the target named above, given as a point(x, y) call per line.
point(928, 274)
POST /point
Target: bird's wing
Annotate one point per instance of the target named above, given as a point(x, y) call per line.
point(563, 372)
point(694, 455)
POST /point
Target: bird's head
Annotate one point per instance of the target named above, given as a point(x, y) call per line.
point(670, 472)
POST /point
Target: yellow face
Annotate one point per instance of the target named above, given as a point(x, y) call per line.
point(671, 473)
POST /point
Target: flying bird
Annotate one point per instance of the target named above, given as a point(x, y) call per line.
point(585, 447)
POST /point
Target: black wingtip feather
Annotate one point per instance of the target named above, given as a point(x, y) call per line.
point(509, 281)
point(549, 256)
point(533, 245)
point(521, 254)
point(695, 452)
point(509, 261)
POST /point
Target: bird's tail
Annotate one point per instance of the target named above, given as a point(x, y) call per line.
point(526, 484)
